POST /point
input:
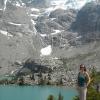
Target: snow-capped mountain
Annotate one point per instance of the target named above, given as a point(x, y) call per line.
point(38, 28)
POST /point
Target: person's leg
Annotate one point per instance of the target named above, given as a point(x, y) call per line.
point(80, 93)
point(84, 92)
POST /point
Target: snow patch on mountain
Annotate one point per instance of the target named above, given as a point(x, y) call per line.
point(23, 4)
point(14, 24)
point(6, 33)
point(33, 22)
point(43, 35)
point(5, 2)
point(34, 15)
point(46, 51)
point(58, 2)
point(78, 37)
point(52, 19)
point(56, 32)
point(35, 9)
point(18, 4)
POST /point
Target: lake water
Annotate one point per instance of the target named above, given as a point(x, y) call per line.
point(34, 92)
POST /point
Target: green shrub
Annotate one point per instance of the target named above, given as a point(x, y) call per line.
point(51, 97)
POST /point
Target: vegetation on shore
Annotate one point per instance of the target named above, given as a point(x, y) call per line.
point(51, 97)
point(23, 80)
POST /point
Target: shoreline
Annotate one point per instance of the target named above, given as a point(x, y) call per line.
point(6, 82)
point(52, 86)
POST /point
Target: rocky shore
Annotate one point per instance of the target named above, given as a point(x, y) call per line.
point(39, 79)
point(52, 71)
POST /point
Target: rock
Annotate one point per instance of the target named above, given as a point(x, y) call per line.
point(38, 3)
point(1, 4)
point(87, 23)
point(56, 13)
point(64, 17)
point(47, 26)
point(43, 28)
point(20, 81)
point(31, 67)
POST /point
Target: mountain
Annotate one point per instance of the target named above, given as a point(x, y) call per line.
point(31, 3)
point(18, 39)
point(38, 3)
point(87, 22)
point(41, 29)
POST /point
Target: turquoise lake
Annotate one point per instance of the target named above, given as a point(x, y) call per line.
point(34, 92)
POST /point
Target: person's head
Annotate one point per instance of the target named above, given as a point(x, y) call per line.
point(82, 67)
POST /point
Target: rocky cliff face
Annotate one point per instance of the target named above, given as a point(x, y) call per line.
point(28, 26)
point(18, 39)
point(87, 22)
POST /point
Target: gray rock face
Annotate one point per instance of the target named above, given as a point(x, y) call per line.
point(64, 17)
point(32, 3)
point(59, 20)
point(38, 3)
point(47, 26)
point(67, 19)
point(20, 33)
point(43, 28)
point(88, 21)
point(1, 4)
point(56, 13)
point(14, 19)
point(18, 39)
point(16, 14)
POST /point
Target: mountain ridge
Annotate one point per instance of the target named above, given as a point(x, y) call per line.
point(26, 31)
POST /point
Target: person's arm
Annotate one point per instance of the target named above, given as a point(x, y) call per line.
point(88, 77)
point(77, 85)
point(77, 79)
